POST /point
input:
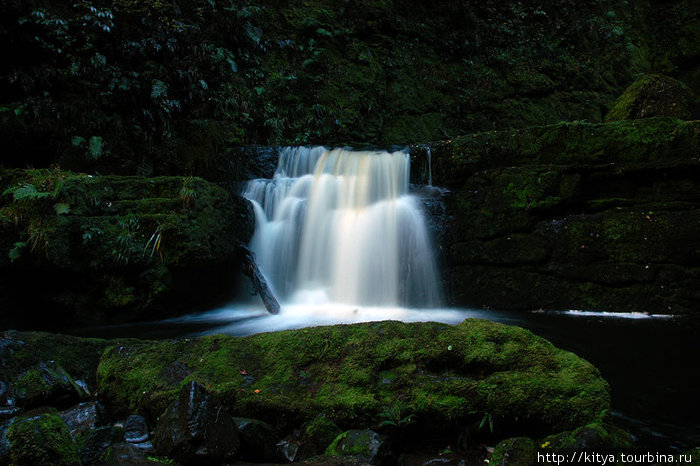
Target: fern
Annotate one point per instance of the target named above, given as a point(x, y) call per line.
point(25, 191)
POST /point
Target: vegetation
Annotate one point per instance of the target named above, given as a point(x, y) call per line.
point(113, 243)
point(160, 87)
point(42, 440)
point(572, 215)
point(444, 376)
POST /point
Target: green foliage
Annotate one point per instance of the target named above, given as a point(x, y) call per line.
point(25, 192)
point(16, 251)
point(62, 208)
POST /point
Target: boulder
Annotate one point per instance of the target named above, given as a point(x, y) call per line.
point(82, 418)
point(594, 436)
point(317, 435)
point(518, 451)
point(41, 440)
point(443, 376)
point(653, 95)
point(135, 429)
point(95, 445)
point(197, 429)
point(364, 444)
point(47, 383)
point(258, 440)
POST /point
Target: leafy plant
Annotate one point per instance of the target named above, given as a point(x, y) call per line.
point(392, 416)
point(25, 191)
point(188, 191)
point(16, 252)
point(154, 242)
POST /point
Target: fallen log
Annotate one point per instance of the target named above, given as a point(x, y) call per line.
point(251, 270)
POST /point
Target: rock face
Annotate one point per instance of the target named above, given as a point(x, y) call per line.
point(94, 249)
point(196, 429)
point(653, 95)
point(572, 216)
point(444, 376)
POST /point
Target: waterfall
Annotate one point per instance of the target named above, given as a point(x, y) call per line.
point(340, 226)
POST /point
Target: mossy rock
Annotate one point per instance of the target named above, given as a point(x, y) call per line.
point(47, 383)
point(115, 248)
point(441, 375)
point(364, 444)
point(42, 440)
point(518, 451)
point(594, 436)
point(78, 356)
point(653, 95)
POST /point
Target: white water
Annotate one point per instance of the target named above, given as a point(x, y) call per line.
point(340, 227)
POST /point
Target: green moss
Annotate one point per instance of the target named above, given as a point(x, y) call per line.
point(22, 350)
point(520, 451)
point(437, 371)
point(124, 243)
point(41, 440)
point(653, 95)
point(351, 443)
point(596, 435)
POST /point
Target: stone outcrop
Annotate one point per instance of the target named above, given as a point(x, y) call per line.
point(88, 249)
point(574, 215)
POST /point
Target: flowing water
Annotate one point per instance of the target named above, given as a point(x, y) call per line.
point(339, 226)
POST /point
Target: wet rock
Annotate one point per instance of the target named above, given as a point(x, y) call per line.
point(47, 383)
point(317, 435)
point(135, 429)
point(42, 440)
point(126, 454)
point(96, 443)
point(196, 429)
point(6, 396)
point(364, 444)
point(83, 417)
point(257, 439)
point(4, 444)
point(519, 451)
point(8, 412)
point(288, 447)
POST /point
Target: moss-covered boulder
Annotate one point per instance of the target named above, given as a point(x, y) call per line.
point(594, 436)
point(47, 383)
point(42, 440)
point(517, 451)
point(86, 248)
point(23, 353)
point(653, 95)
point(366, 445)
point(444, 376)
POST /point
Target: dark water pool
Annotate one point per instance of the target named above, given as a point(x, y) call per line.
point(649, 361)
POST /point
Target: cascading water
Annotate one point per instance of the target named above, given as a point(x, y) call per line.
point(340, 226)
